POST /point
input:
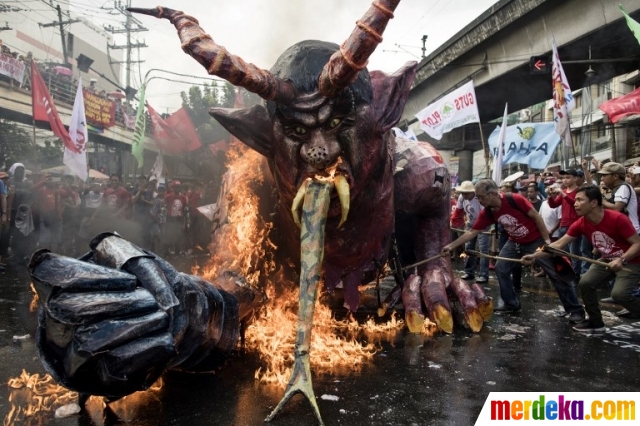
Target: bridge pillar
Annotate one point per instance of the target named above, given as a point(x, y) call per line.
point(465, 164)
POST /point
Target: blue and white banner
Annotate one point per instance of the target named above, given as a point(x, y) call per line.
point(527, 143)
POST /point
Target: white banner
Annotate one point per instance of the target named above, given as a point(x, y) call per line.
point(12, 67)
point(498, 156)
point(563, 100)
point(458, 108)
point(77, 162)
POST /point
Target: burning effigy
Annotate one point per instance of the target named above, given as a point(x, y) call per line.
point(317, 198)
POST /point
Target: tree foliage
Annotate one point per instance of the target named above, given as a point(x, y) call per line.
point(17, 147)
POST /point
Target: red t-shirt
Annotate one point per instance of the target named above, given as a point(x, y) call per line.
point(176, 203)
point(520, 227)
point(567, 202)
point(609, 236)
point(46, 198)
point(116, 198)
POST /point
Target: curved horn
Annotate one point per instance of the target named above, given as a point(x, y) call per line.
point(219, 62)
point(344, 65)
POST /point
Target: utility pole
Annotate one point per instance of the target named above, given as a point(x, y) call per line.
point(424, 46)
point(60, 23)
point(128, 29)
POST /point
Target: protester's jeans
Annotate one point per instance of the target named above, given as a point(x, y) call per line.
point(575, 247)
point(483, 247)
point(622, 293)
point(566, 291)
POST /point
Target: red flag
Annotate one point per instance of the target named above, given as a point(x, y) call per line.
point(45, 110)
point(163, 134)
point(622, 106)
point(220, 146)
point(182, 125)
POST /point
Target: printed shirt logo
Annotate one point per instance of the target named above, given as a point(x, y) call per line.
point(513, 228)
point(606, 245)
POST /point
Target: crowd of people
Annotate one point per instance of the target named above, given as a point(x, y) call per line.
point(578, 216)
point(62, 214)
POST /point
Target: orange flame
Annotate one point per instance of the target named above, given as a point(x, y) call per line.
point(241, 244)
point(33, 395)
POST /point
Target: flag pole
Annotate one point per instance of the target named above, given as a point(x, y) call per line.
point(485, 148)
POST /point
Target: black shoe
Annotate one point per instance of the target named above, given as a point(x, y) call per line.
point(607, 300)
point(482, 280)
point(588, 327)
point(562, 314)
point(576, 317)
point(466, 276)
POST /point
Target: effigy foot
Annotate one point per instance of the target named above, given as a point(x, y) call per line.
point(300, 382)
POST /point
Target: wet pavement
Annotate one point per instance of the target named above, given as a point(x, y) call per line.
point(412, 380)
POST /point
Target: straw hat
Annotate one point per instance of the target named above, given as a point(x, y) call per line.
point(466, 187)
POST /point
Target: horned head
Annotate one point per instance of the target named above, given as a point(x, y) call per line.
point(340, 70)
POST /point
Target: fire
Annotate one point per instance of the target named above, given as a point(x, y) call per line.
point(33, 395)
point(335, 346)
point(33, 307)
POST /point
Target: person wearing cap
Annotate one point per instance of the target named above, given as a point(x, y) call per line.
point(526, 229)
point(622, 195)
point(567, 198)
point(470, 206)
point(613, 235)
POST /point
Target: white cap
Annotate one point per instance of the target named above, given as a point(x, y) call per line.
point(93, 80)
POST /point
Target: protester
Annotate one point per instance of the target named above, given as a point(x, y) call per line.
point(622, 197)
point(526, 228)
point(19, 199)
point(566, 199)
point(469, 205)
point(176, 202)
point(613, 235)
point(50, 207)
point(159, 219)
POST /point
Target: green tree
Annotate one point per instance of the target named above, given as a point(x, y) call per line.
point(16, 144)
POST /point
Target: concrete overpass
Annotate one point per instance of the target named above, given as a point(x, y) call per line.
point(494, 52)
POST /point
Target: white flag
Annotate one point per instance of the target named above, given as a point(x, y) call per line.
point(458, 108)
point(158, 168)
point(497, 159)
point(563, 100)
point(77, 162)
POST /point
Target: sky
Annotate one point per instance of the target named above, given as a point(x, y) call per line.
point(259, 30)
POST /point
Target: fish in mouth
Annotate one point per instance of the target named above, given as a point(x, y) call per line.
point(313, 199)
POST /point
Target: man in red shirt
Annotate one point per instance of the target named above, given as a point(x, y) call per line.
point(566, 198)
point(116, 199)
point(526, 229)
point(175, 226)
point(613, 235)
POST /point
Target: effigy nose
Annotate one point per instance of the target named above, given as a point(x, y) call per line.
point(319, 152)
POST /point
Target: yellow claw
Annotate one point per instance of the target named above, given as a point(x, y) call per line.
point(414, 320)
point(442, 317)
point(297, 201)
point(344, 195)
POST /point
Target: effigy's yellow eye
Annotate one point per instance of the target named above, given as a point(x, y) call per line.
point(300, 130)
point(334, 122)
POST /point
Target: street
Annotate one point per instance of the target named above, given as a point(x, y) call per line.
point(412, 380)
